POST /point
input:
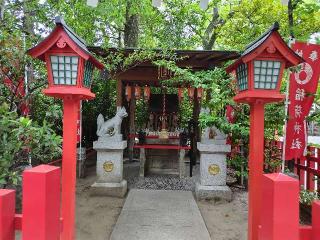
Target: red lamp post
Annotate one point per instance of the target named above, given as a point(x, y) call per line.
point(259, 73)
point(70, 68)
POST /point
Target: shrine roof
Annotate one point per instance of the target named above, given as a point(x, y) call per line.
point(255, 44)
point(195, 59)
point(74, 37)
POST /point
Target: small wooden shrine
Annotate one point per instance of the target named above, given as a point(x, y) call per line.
point(162, 144)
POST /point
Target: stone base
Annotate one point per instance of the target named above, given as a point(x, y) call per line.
point(109, 189)
point(213, 192)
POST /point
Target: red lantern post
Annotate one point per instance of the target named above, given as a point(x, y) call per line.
point(259, 73)
point(70, 68)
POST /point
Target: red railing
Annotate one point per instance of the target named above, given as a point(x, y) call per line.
point(40, 218)
point(308, 169)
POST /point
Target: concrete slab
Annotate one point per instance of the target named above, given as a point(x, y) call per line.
point(159, 215)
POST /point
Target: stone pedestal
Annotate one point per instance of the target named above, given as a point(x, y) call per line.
point(110, 180)
point(213, 171)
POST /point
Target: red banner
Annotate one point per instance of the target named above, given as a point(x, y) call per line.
point(303, 86)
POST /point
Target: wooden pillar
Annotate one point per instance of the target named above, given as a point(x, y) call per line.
point(132, 131)
point(119, 92)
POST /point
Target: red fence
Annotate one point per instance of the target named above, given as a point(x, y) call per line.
point(40, 218)
point(308, 169)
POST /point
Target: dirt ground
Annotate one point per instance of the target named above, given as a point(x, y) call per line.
point(226, 221)
point(96, 216)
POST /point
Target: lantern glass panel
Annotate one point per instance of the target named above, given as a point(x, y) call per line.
point(242, 77)
point(64, 69)
point(88, 71)
point(266, 74)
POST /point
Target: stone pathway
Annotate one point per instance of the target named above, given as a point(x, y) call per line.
point(159, 215)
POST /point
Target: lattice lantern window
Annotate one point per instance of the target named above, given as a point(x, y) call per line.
point(88, 74)
point(242, 77)
point(266, 74)
point(64, 69)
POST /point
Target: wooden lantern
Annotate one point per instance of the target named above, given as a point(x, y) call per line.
point(191, 93)
point(137, 92)
point(259, 69)
point(69, 63)
point(128, 92)
point(146, 92)
point(180, 94)
point(199, 93)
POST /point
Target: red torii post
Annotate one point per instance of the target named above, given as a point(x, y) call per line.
point(259, 73)
point(70, 70)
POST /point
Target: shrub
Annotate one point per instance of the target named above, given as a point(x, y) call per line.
point(22, 142)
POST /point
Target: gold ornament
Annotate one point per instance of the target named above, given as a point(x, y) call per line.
point(108, 166)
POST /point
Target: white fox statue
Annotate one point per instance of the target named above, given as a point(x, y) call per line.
point(112, 126)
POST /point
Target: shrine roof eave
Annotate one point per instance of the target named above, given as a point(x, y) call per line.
point(194, 59)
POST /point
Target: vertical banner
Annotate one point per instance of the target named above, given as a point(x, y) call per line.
point(303, 86)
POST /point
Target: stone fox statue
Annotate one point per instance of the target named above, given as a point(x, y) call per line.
point(112, 126)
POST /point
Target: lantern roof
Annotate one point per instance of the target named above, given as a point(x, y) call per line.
point(270, 38)
point(76, 43)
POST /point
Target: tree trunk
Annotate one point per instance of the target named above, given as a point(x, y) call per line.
point(290, 18)
point(131, 27)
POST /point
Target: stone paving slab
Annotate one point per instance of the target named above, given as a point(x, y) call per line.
point(160, 215)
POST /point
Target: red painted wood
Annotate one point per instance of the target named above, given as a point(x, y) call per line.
point(7, 211)
point(18, 222)
point(150, 136)
point(256, 161)
point(158, 146)
point(70, 112)
point(280, 212)
point(41, 203)
point(305, 232)
point(316, 220)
